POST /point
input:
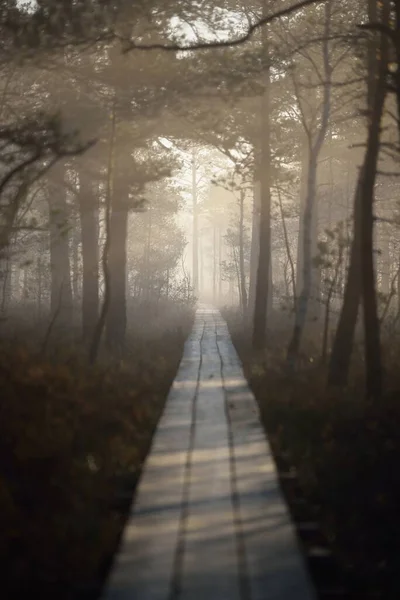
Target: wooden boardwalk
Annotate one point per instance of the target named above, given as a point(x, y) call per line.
point(209, 521)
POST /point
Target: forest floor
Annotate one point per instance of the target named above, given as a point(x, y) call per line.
point(338, 458)
point(72, 443)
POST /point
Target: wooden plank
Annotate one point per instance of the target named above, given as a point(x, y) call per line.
point(209, 568)
point(275, 566)
point(144, 565)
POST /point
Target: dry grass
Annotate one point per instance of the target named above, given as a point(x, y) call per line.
point(346, 453)
point(72, 442)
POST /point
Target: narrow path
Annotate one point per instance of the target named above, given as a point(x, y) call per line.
point(209, 521)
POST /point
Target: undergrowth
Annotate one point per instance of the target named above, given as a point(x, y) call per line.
point(345, 452)
point(72, 443)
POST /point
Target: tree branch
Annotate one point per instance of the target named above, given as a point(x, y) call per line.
point(381, 28)
point(132, 45)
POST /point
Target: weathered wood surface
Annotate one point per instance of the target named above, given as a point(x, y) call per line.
point(209, 521)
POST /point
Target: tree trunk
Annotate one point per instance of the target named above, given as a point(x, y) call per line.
point(303, 300)
point(231, 284)
point(397, 82)
point(270, 297)
point(214, 263)
point(241, 254)
point(314, 300)
point(167, 285)
point(325, 334)
point(61, 291)
point(333, 285)
point(396, 41)
point(373, 360)
point(89, 215)
point(305, 163)
point(6, 280)
point(201, 265)
point(315, 146)
point(147, 279)
point(101, 322)
point(39, 270)
point(254, 252)
point(116, 318)
point(75, 261)
point(264, 255)
point(288, 250)
point(25, 288)
point(398, 289)
point(237, 269)
point(370, 312)
point(219, 264)
point(385, 263)
point(339, 365)
point(195, 239)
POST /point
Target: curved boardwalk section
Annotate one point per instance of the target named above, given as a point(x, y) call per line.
point(209, 521)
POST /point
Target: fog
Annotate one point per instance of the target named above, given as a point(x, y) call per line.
point(177, 152)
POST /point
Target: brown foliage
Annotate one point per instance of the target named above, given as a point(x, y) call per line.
point(72, 442)
point(345, 452)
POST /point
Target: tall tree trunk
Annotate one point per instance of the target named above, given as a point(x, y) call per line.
point(195, 237)
point(398, 289)
point(241, 253)
point(39, 270)
point(396, 42)
point(287, 246)
point(25, 288)
point(231, 284)
point(342, 347)
point(147, 279)
point(254, 252)
point(303, 300)
point(116, 322)
point(308, 162)
point(214, 263)
point(373, 361)
point(339, 364)
point(18, 282)
point(116, 318)
point(101, 322)
point(6, 280)
point(264, 255)
point(315, 146)
point(201, 265)
point(395, 39)
point(305, 164)
point(385, 263)
point(237, 269)
point(219, 264)
point(61, 291)
point(370, 312)
point(89, 215)
point(398, 286)
point(167, 284)
point(75, 261)
point(328, 300)
point(270, 297)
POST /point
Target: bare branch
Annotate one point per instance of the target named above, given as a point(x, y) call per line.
point(132, 45)
point(380, 27)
